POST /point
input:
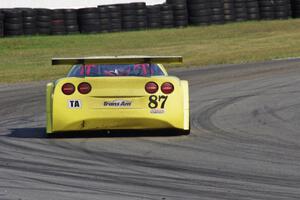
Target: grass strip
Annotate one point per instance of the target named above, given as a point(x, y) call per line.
point(25, 59)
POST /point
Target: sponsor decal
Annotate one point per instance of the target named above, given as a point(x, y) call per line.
point(117, 103)
point(74, 103)
point(157, 111)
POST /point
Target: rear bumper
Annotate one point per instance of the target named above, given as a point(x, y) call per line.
point(113, 119)
point(113, 124)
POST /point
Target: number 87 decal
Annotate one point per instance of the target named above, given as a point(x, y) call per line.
point(154, 101)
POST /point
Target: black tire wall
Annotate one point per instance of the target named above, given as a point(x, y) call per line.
point(282, 9)
point(89, 20)
point(104, 17)
point(29, 21)
point(13, 22)
point(199, 12)
point(229, 10)
point(58, 22)
point(139, 16)
point(166, 16)
point(295, 8)
point(1, 24)
point(43, 21)
point(241, 13)
point(71, 21)
point(180, 12)
point(115, 17)
point(253, 10)
point(217, 11)
point(129, 20)
point(153, 16)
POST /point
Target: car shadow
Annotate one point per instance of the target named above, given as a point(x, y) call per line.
point(40, 132)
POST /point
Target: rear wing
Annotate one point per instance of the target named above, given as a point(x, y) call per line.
point(118, 60)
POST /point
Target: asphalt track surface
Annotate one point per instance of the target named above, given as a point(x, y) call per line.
point(244, 144)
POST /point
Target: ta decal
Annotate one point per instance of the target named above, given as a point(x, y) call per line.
point(74, 103)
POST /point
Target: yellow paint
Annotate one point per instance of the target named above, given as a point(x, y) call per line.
point(94, 115)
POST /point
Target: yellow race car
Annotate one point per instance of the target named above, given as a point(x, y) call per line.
point(117, 93)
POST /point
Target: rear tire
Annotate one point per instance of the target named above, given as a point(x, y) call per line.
point(184, 132)
point(50, 135)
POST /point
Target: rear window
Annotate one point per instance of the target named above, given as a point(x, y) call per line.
point(116, 70)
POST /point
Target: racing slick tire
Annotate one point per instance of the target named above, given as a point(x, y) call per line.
point(184, 132)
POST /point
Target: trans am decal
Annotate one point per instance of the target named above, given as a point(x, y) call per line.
point(117, 103)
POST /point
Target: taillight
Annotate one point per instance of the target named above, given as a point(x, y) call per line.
point(151, 87)
point(84, 88)
point(167, 88)
point(68, 88)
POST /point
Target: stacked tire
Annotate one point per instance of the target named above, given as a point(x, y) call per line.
point(229, 10)
point(44, 19)
point(13, 22)
point(180, 12)
point(267, 9)
point(129, 21)
point(199, 12)
point(141, 15)
point(253, 10)
point(241, 13)
point(89, 21)
point(29, 21)
point(282, 9)
point(289, 7)
point(296, 8)
point(104, 17)
point(58, 22)
point(115, 18)
point(166, 16)
point(1, 24)
point(71, 22)
point(217, 11)
point(153, 16)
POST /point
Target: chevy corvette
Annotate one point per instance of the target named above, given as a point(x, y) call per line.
point(117, 93)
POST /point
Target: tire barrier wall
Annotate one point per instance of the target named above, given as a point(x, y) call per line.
point(199, 12)
point(89, 20)
point(70, 21)
point(253, 10)
point(275, 9)
point(129, 18)
point(241, 11)
point(29, 21)
point(58, 22)
point(13, 22)
point(153, 16)
point(139, 16)
point(43, 21)
point(180, 12)
point(295, 8)
point(166, 16)
point(229, 11)
point(1, 24)
point(115, 12)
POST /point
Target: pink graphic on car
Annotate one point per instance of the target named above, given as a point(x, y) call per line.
point(98, 70)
